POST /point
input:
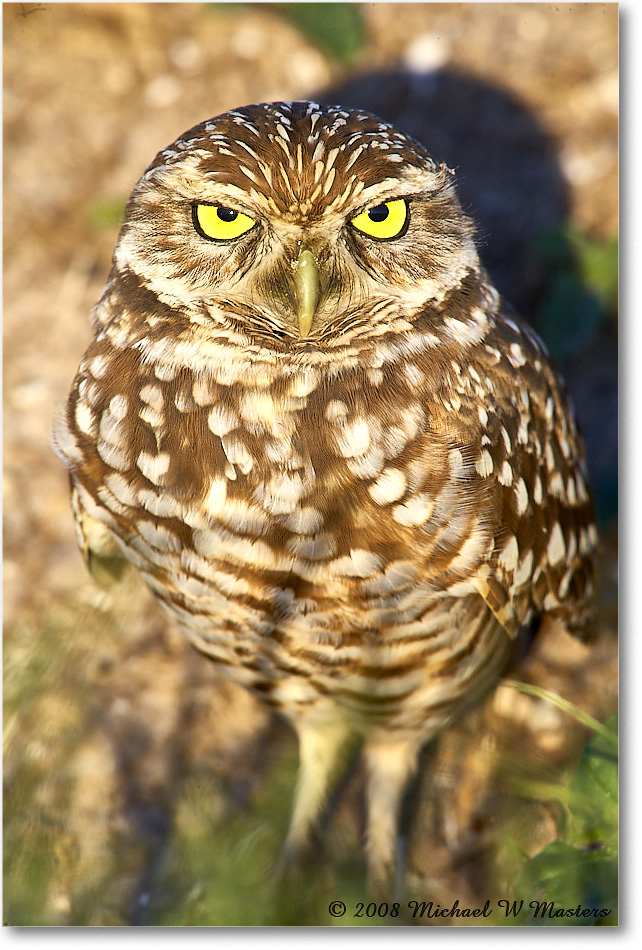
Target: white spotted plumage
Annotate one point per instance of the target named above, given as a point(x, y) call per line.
point(353, 516)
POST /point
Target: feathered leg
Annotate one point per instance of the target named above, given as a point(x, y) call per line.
point(322, 750)
point(391, 762)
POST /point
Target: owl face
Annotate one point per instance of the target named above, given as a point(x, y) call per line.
point(294, 224)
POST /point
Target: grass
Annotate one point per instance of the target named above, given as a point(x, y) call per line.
point(101, 829)
point(579, 869)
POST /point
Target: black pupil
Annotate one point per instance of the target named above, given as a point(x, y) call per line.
point(227, 214)
point(380, 213)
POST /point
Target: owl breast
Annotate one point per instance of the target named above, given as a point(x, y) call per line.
point(314, 533)
point(352, 530)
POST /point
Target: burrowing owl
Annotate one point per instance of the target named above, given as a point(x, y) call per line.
point(309, 421)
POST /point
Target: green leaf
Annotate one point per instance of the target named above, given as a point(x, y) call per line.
point(581, 290)
point(598, 263)
point(580, 870)
point(593, 790)
point(570, 877)
point(336, 28)
point(569, 314)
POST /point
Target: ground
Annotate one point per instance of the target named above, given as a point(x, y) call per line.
point(139, 785)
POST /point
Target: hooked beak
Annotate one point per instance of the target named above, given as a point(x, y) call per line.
point(306, 290)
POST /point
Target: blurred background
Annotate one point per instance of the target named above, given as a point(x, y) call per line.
point(140, 788)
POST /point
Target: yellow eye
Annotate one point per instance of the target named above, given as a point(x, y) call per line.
point(384, 221)
point(221, 224)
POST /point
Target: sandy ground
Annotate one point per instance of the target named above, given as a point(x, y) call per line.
point(107, 712)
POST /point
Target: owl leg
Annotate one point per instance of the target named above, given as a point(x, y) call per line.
point(322, 749)
point(391, 762)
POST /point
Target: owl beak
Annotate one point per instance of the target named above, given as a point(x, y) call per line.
point(306, 290)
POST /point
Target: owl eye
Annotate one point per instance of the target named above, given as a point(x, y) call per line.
point(219, 223)
point(384, 221)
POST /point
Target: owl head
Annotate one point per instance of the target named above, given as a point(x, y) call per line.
point(294, 224)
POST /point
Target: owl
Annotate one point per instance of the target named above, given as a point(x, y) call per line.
point(343, 466)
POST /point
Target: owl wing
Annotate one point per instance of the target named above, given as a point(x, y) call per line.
point(530, 536)
point(104, 558)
